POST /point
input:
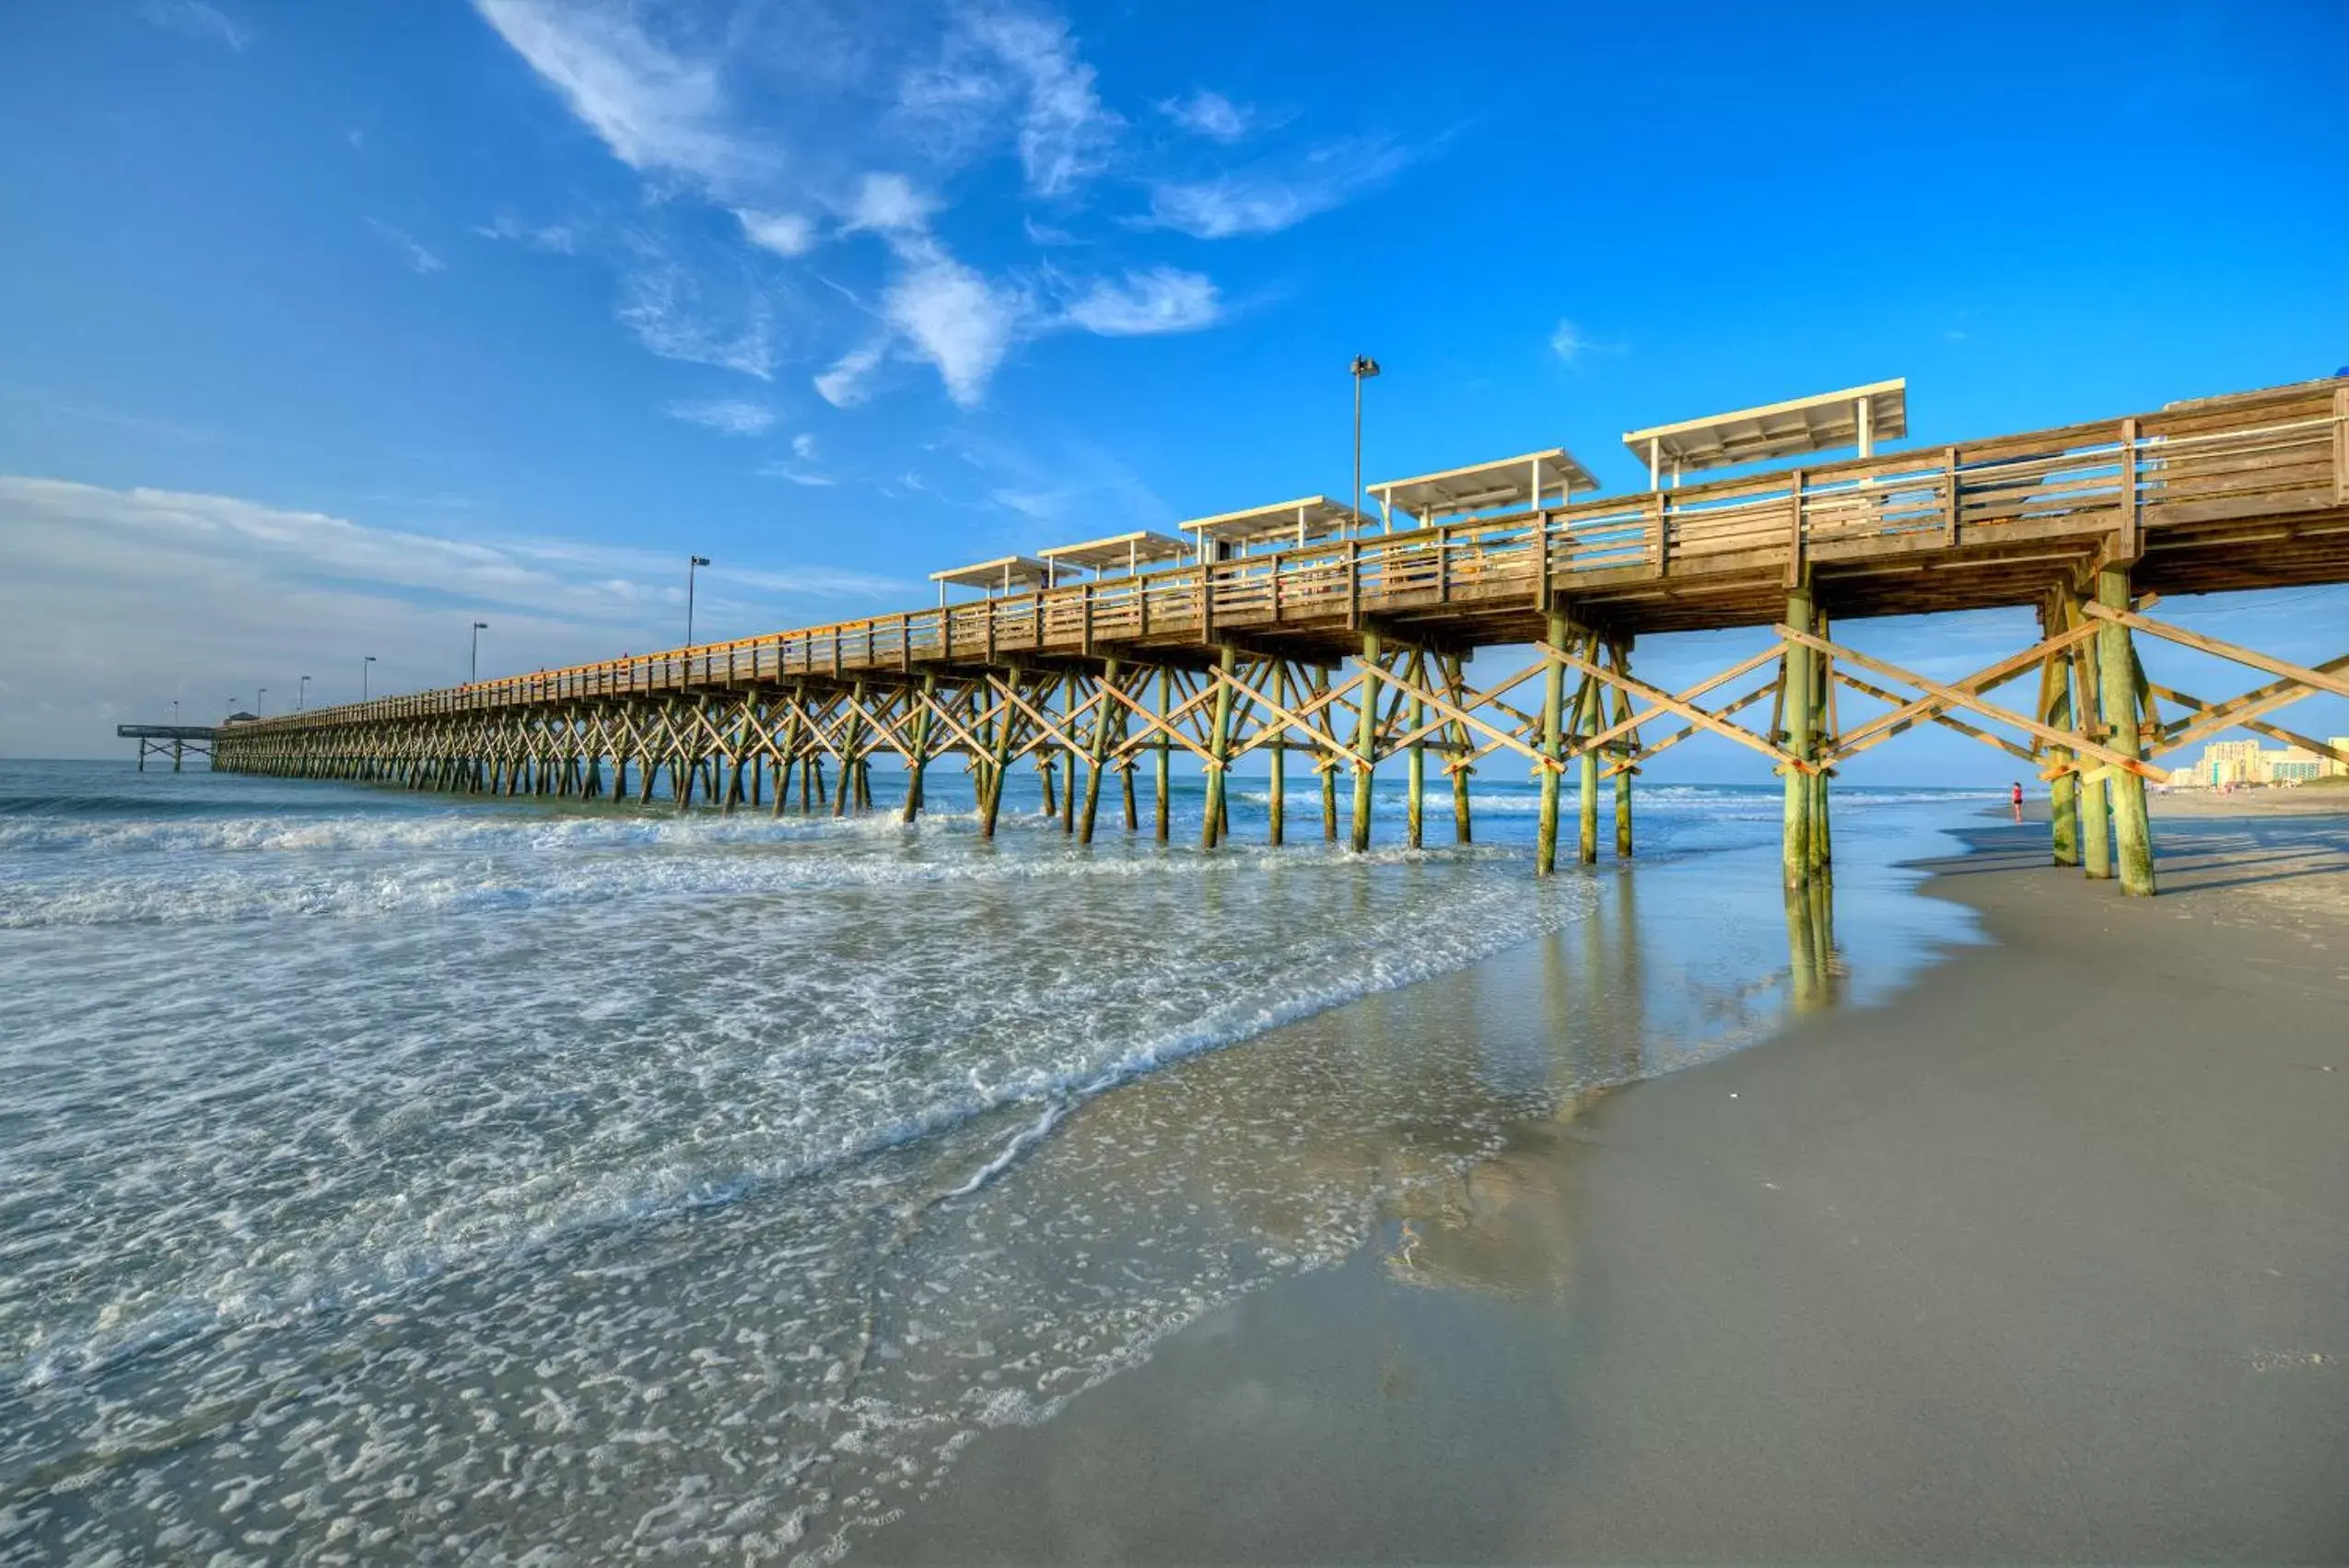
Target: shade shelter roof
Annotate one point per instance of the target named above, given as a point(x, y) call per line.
point(1855, 416)
point(1133, 551)
point(998, 576)
point(1296, 522)
point(1519, 484)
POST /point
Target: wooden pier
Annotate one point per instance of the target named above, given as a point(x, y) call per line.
point(177, 742)
point(1345, 652)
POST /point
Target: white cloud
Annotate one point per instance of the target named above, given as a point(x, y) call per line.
point(729, 416)
point(556, 237)
point(1164, 299)
point(850, 381)
point(796, 475)
point(888, 204)
point(196, 19)
point(116, 601)
point(999, 62)
point(1208, 114)
point(785, 233)
point(951, 317)
point(656, 109)
point(1272, 197)
point(669, 309)
point(417, 259)
point(803, 447)
point(1568, 341)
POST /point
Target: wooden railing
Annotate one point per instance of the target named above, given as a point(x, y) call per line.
point(2248, 456)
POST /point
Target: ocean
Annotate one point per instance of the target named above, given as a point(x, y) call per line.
point(388, 1176)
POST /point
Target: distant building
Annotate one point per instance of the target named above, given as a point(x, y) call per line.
point(2224, 763)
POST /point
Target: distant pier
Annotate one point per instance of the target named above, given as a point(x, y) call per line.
point(1307, 629)
point(174, 740)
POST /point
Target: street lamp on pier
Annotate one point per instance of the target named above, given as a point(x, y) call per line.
point(1364, 369)
point(364, 663)
point(261, 701)
point(301, 694)
point(691, 563)
point(472, 669)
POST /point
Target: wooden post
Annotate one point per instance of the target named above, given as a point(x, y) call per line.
point(1414, 809)
point(1822, 738)
point(1163, 804)
point(1622, 710)
point(918, 763)
point(2064, 789)
point(1587, 698)
point(1100, 748)
point(1068, 719)
point(2116, 660)
point(998, 738)
point(2096, 799)
point(1219, 748)
point(1276, 793)
point(1365, 743)
point(1553, 726)
point(845, 797)
point(1462, 746)
point(1796, 854)
point(1326, 764)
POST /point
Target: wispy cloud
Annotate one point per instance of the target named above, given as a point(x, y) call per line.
point(785, 234)
point(995, 62)
point(1273, 196)
point(670, 309)
point(729, 416)
point(657, 109)
point(414, 256)
point(560, 237)
point(795, 473)
point(1568, 341)
point(196, 19)
point(803, 447)
point(1164, 299)
point(850, 380)
point(1209, 114)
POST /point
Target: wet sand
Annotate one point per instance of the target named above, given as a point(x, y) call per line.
point(2049, 1259)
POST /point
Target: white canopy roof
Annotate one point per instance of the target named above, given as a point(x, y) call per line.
point(1132, 551)
point(1520, 484)
point(1875, 412)
point(1298, 521)
point(1000, 575)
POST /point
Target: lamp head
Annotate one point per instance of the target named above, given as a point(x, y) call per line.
point(1364, 366)
point(698, 560)
point(480, 625)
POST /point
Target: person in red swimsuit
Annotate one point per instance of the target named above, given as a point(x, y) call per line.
point(2018, 799)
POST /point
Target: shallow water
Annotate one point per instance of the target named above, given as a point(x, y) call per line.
point(396, 1177)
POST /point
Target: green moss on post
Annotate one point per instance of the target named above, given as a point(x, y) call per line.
point(1365, 743)
point(1796, 850)
point(1553, 728)
point(1218, 751)
point(2116, 663)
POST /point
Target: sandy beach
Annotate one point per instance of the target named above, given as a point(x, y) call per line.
point(2048, 1260)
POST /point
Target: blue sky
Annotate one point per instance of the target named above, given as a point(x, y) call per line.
point(327, 329)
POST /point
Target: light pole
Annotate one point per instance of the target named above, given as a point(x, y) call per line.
point(301, 694)
point(364, 663)
point(1364, 369)
point(691, 562)
point(260, 702)
point(175, 712)
point(472, 669)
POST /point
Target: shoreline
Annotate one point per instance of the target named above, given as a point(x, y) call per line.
point(2047, 1259)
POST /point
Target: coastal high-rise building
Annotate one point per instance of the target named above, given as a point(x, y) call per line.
point(2245, 762)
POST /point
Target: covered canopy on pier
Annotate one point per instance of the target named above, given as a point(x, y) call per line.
point(1000, 575)
point(1299, 521)
point(1132, 551)
point(1510, 484)
point(1855, 416)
